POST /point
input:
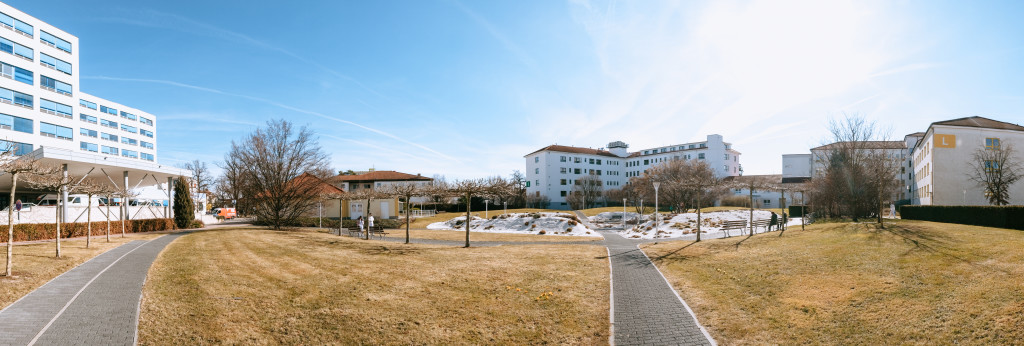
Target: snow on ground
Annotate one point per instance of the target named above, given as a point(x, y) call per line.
point(523, 223)
point(611, 219)
point(682, 225)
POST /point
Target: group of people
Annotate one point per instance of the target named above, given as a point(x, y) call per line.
point(369, 221)
point(774, 222)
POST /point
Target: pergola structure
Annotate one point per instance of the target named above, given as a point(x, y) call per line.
point(119, 172)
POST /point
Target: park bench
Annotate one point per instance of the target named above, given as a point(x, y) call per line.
point(733, 225)
point(378, 231)
point(354, 231)
point(761, 223)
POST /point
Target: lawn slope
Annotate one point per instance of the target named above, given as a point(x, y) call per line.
point(913, 282)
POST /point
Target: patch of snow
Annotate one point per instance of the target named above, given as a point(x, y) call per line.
point(683, 225)
point(522, 223)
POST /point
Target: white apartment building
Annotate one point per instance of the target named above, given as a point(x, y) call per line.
point(43, 111)
point(943, 156)
point(552, 170)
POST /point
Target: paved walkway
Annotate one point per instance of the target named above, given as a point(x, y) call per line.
point(645, 309)
point(96, 303)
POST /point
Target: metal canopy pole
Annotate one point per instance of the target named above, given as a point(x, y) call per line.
point(64, 194)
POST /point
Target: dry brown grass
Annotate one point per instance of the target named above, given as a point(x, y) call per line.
point(264, 287)
point(424, 221)
point(914, 282)
point(35, 264)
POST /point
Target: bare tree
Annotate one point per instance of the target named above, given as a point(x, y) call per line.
point(469, 188)
point(406, 191)
point(90, 189)
point(754, 183)
point(57, 180)
point(585, 192)
point(705, 183)
point(857, 169)
point(517, 184)
point(995, 169)
point(200, 175)
point(270, 159)
point(14, 165)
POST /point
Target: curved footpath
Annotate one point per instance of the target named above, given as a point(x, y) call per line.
point(97, 302)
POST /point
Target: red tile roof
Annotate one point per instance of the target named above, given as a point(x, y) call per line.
point(981, 122)
point(379, 176)
point(574, 150)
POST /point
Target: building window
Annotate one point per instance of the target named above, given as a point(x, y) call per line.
point(991, 166)
point(109, 137)
point(108, 123)
point(132, 129)
point(55, 108)
point(599, 172)
point(767, 202)
point(15, 98)
point(53, 41)
point(991, 143)
point(128, 115)
point(527, 184)
point(19, 148)
point(55, 131)
point(129, 141)
point(87, 104)
point(56, 64)
point(562, 159)
point(18, 50)
point(700, 156)
point(563, 193)
point(90, 147)
point(147, 157)
point(88, 133)
point(536, 170)
point(646, 162)
point(17, 73)
point(146, 133)
point(87, 118)
point(54, 85)
point(146, 121)
point(536, 159)
point(130, 153)
point(562, 170)
point(108, 150)
point(14, 24)
point(598, 162)
point(576, 171)
point(146, 145)
point(727, 157)
point(10, 122)
point(108, 110)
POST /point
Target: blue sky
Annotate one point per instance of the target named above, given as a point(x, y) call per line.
point(465, 89)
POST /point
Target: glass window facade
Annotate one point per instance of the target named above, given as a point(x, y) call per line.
point(109, 137)
point(54, 63)
point(19, 148)
point(128, 115)
point(89, 133)
point(17, 73)
point(55, 85)
point(19, 124)
point(130, 153)
point(16, 49)
point(108, 150)
point(146, 145)
point(51, 130)
point(147, 157)
point(108, 123)
point(55, 107)
point(87, 104)
point(87, 118)
point(146, 133)
point(11, 96)
point(146, 121)
point(56, 42)
point(90, 147)
point(108, 110)
point(132, 129)
point(129, 141)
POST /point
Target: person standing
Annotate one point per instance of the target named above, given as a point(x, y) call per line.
point(892, 211)
point(369, 222)
point(359, 222)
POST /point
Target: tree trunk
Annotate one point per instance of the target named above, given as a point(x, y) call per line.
point(123, 211)
point(108, 217)
point(751, 212)
point(698, 214)
point(881, 208)
point(803, 211)
point(407, 211)
point(468, 196)
point(366, 220)
point(88, 222)
point(57, 240)
point(10, 224)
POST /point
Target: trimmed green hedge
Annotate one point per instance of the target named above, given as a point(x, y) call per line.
point(989, 216)
point(44, 231)
point(796, 210)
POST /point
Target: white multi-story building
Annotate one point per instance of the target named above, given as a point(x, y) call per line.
point(552, 170)
point(44, 112)
point(942, 160)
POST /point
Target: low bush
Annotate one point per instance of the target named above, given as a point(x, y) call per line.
point(44, 231)
point(989, 216)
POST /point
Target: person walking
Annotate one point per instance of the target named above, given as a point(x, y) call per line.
point(774, 222)
point(359, 222)
point(892, 211)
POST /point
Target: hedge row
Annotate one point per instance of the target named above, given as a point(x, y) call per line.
point(43, 231)
point(333, 223)
point(989, 216)
point(796, 210)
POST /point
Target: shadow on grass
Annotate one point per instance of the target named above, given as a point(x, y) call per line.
point(930, 242)
point(673, 252)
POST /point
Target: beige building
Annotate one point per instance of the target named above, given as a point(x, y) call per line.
point(942, 160)
point(373, 180)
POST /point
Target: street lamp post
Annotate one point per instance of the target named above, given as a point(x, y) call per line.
point(505, 204)
point(486, 202)
point(657, 184)
point(623, 214)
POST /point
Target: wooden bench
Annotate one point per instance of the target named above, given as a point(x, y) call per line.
point(733, 225)
point(761, 223)
point(378, 231)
